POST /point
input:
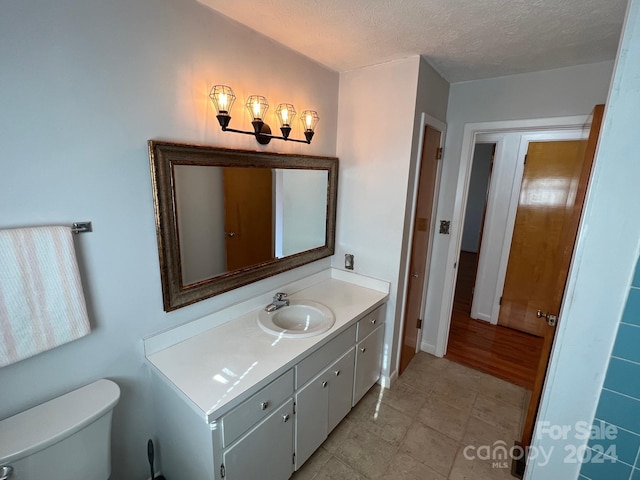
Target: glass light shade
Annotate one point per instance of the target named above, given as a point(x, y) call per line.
point(309, 119)
point(257, 106)
point(285, 113)
point(222, 98)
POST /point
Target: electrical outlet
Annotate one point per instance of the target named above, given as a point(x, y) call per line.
point(348, 261)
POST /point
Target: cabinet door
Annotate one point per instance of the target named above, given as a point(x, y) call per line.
point(266, 451)
point(368, 363)
point(312, 405)
point(340, 388)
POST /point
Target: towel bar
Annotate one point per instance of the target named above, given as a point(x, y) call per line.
point(81, 227)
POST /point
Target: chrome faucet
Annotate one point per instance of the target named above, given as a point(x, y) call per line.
point(279, 300)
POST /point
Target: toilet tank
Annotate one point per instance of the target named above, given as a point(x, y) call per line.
point(67, 438)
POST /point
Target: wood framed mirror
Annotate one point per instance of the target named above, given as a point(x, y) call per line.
point(227, 218)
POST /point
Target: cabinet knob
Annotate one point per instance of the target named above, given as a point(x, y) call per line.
point(363, 349)
point(324, 384)
point(337, 372)
point(285, 418)
point(373, 321)
point(264, 405)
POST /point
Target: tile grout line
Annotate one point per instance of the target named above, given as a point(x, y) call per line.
point(635, 463)
point(625, 360)
point(617, 426)
point(621, 394)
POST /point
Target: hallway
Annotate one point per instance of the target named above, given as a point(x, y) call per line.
point(421, 428)
point(500, 351)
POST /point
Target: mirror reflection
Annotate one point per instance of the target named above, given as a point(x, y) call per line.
point(230, 218)
point(226, 218)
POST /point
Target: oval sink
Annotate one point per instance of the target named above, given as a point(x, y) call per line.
point(302, 318)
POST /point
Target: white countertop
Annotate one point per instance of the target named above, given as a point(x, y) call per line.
point(233, 360)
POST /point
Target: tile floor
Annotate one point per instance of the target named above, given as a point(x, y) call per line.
point(418, 430)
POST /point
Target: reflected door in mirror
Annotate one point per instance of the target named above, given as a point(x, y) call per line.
point(248, 208)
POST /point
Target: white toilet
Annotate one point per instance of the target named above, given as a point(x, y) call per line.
point(67, 438)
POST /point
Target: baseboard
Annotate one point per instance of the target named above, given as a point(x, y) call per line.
point(387, 380)
point(483, 317)
point(428, 348)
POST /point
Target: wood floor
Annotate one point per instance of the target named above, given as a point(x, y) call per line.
point(500, 351)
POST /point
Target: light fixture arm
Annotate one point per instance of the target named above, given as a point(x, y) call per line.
point(268, 135)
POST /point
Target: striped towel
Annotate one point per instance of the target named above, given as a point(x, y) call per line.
point(41, 301)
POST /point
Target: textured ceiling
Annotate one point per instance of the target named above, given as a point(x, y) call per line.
point(463, 39)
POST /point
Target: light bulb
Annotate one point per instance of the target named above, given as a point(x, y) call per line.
point(256, 110)
point(222, 101)
point(285, 116)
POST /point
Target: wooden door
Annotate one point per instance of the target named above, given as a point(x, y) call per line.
point(567, 242)
point(248, 222)
point(537, 267)
point(420, 244)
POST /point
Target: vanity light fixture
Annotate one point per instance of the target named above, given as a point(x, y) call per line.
point(223, 99)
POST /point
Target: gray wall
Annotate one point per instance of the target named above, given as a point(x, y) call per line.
point(477, 196)
point(83, 85)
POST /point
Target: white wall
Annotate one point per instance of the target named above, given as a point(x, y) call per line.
point(551, 93)
point(84, 85)
point(606, 253)
point(304, 222)
point(377, 151)
point(477, 196)
point(200, 213)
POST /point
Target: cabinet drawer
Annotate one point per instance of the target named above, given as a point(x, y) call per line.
point(314, 363)
point(369, 323)
point(251, 411)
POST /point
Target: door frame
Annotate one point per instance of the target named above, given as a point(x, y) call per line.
point(426, 120)
point(471, 131)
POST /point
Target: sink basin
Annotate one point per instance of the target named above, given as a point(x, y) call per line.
point(302, 318)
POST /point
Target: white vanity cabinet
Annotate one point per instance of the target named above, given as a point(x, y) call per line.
point(368, 353)
point(263, 452)
point(271, 431)
point(325, 399)
point(321, 404)
point(262, 420)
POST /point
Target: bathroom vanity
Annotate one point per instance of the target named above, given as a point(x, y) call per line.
point(236, 402)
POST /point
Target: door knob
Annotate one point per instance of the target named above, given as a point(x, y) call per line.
point(550, 318)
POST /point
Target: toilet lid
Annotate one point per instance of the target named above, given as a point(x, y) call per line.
point(53, 421)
